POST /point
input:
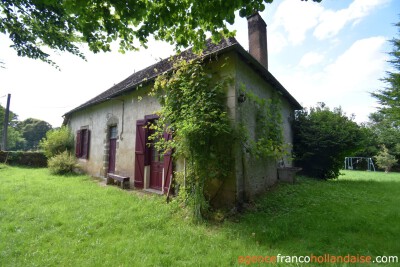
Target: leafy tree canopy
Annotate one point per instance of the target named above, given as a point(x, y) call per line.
point(33, 130)
point(389, 97)
point(322, 139)
point(15, 139)
point(385, 160)
point(12, 118)
point(384, 131)
point(60, 25)
point(57, 141)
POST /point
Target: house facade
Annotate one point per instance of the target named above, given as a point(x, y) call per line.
point(111, 137)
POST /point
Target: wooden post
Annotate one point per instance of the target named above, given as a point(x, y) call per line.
point(5, 124)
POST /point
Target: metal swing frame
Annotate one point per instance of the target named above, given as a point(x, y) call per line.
point(348, 163)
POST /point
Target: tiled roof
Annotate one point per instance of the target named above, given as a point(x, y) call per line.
point(151, 72)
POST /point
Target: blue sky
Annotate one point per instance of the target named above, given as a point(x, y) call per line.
point(333, 52)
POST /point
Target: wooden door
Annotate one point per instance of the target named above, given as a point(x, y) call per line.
point(112, 149)
point(156, 167)
point(140, 151)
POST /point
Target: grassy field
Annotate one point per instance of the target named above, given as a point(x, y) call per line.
point(48, 220)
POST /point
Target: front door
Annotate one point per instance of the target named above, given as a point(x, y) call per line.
point(112, 149)
point(156, 167)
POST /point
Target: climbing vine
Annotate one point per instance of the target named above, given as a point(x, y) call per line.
point(193, 101)
point(269, 141)
point(194, 112)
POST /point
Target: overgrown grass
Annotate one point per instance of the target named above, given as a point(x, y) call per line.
point(50, 220)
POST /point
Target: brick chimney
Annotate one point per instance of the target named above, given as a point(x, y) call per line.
point(258, 38)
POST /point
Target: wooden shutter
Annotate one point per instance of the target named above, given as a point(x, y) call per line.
point(167, 164)
point(86, 144)
point(78, 146)
point(140, 153)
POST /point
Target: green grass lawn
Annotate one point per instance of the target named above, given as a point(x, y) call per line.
point(49, 220)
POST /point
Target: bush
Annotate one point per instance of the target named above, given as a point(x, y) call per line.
point(322, 139)
point(57, 141)
point(21, 158)
point(63, 163)
point(385, 160)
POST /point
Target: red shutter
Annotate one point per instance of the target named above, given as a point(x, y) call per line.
point(78, 151)
point(140, 153)
point(167, 164)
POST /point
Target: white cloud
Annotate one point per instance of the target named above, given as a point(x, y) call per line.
point(276, 42)
point(331, 22)
point(297, 18)
point(310, 59)
point(353, 70)
point(346, 82)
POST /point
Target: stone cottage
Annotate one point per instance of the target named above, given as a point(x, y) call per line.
point(110, 137)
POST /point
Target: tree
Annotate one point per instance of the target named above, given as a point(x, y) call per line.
point(369, 141)
point(59, 25)
point(15, 140)
point(384, 134)
point(12, 119)
point(322, 139)
point(57, 141)
point(389, 97)
point(33, 130)
point(385, 160)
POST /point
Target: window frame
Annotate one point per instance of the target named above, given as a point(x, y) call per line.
point(82, 143)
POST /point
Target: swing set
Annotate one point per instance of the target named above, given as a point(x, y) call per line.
point(351, 163)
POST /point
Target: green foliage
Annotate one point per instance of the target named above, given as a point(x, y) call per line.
point(63, 163)
point(369, 143)
point(32, 24)
point(269, 130)
point(322, 139)
point(389, 96)
point(15, 139)
point(33, 131)
point(385, 160)
point(57, 141)
point(22, 158)
point(23, 135)
point(378, 132)
point(12, 119)
point(194, 112)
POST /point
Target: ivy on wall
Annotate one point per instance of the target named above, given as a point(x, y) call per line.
point(194, 111)
point(268, 142)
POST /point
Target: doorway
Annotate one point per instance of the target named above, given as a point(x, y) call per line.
point(112, 149)
point(156, 166)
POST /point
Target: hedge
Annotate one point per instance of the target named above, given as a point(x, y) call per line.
point(22, 158)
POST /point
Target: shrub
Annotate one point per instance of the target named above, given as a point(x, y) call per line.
point(22, 158)
point(322, 139)
point(57, 141)
point(385, 160)
point(63, 163)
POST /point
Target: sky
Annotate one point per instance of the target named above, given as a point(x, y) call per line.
point(333, 52)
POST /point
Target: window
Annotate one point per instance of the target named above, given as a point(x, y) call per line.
point(113, 132)
point(82, 143)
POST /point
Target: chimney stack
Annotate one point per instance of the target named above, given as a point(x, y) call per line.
point(258, 38)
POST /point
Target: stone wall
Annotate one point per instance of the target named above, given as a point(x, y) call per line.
point(122, 112)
